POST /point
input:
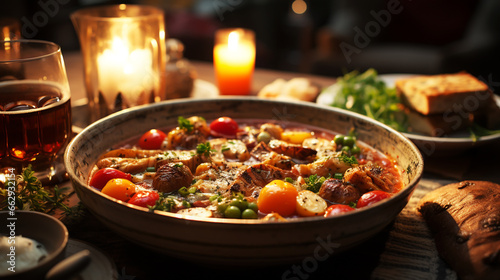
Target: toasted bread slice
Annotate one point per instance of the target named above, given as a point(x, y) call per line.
point(439, 93)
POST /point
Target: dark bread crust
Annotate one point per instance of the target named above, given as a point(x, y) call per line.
point(465, 221)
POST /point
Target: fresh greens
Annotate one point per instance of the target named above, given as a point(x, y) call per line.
point(476, 131)
point(351, 160)
point(367, 94)
point(314, 182)
point(185, 124)
point(204, 149)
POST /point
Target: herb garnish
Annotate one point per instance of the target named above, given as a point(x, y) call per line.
point(204, 149)
point(185, 124)
point(314, 182)
point(351, 160)
point(31, 195)
point(476, 131)
point(164, 203)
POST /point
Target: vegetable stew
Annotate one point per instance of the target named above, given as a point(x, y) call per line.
point(247, 169)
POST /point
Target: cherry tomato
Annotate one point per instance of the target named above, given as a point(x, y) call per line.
point(279, 197)
point(224, 127)
point(152, 139)
point(372, 197)
point(102, 176)
point(144, 198)
point(337, 209)
point(121, 189)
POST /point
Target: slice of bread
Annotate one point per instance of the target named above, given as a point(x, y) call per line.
point(438, 93)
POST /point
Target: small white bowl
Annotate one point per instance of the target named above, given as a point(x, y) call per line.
point(41, 227)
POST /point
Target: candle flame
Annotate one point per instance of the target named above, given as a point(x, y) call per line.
point(233, 40)
point(119, 47)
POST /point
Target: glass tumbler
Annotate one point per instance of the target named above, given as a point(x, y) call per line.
point(35, 109)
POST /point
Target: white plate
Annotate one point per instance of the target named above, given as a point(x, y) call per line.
point(428, 145)
point(101, 267)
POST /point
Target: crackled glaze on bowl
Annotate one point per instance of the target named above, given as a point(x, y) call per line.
point(231, 241)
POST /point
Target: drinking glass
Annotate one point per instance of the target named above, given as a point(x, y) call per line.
point(35, 109)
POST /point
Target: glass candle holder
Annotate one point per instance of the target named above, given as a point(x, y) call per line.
point(234, 60)
point(123, 48)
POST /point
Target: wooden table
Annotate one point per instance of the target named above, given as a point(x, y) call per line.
point(135, 262)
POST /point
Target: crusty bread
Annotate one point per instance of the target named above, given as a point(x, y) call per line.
point(438, 93)
point(435, 125)
point(465, 220)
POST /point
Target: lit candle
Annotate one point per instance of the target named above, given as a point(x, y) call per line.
point(234, 61)
point(127, 72)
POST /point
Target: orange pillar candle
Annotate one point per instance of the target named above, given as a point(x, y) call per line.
point(234, 60)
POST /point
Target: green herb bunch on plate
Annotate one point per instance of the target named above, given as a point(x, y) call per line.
point(367, 94)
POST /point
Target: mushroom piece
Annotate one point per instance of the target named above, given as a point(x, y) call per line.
point(171, 177)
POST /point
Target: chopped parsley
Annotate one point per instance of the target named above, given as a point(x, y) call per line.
point(164, 203)
point(351, 160)
point(185, 124)
point(314, 182)
point(204, 149)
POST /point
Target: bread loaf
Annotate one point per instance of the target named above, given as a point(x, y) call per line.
point(438, 93)
point(465, 221)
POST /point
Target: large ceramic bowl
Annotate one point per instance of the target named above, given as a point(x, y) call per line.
point(230, 241)
point(43, 228)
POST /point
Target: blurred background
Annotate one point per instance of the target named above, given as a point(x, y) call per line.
point(325, 37)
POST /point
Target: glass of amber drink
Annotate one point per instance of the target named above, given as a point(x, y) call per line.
point(35, 109)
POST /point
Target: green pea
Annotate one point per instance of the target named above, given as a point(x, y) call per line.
point(339, 139)
point(355, 150)
point(249, 214)
point(240, 203)
point(232, 212)
point(253, 206)
point(349, 141)
point(264, 137)
point(346, 149)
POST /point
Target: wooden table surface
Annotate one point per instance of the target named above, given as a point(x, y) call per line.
point(135, 262)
